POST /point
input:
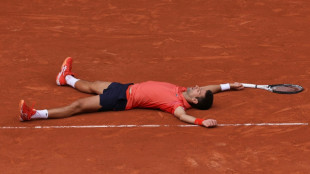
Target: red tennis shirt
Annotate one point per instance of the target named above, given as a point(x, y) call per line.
point(156, 95)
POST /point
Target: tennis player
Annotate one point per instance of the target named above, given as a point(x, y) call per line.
point(113, 96)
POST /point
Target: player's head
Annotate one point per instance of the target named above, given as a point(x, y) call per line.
point(200, 98)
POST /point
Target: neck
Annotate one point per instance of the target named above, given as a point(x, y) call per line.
point(187, 98)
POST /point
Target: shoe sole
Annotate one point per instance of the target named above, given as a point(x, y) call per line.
point(21, 103)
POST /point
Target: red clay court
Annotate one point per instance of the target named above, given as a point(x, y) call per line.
point(182, 42)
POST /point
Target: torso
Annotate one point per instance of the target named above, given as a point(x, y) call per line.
point(156, 95)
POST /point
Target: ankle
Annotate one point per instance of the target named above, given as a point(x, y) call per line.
point(40, 114)
point(71, 80)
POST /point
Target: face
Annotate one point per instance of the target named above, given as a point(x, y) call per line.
point(196, 91)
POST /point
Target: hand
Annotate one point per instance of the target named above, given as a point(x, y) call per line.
point(209, 123)
point(236, 86)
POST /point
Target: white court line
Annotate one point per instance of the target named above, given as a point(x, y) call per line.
point(148, 125)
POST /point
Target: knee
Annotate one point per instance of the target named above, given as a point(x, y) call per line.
point(77, 106)
point(96, 83)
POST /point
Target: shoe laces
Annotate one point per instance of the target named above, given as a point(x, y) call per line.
point(66, 71)
point(29, 110)
point(64, 68)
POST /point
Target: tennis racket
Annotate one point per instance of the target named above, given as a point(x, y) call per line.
point(278, 88)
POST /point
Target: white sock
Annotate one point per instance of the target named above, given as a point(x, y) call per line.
point(40, 114)
point(71, 80)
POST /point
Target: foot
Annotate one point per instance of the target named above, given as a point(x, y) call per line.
point(64, 71)
point(25, 112)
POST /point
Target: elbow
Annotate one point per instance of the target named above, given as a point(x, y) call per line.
point(182, 117)
point(179, 117)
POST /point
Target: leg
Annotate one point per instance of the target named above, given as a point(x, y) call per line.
point(89, 104)
point(96, 87)
point(65, 77)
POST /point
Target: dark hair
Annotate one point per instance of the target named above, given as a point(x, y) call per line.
point(204, 103)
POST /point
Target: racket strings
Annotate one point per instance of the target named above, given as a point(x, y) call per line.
point(283, 88)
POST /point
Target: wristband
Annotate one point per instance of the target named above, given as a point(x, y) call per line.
point(225, 87)
point(199, 121)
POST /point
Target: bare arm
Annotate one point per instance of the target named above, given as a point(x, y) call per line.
point(217, 88)
point(181, 114)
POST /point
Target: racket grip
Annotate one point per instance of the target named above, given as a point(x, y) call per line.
point(249, 85)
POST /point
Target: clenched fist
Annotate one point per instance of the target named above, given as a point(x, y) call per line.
point(209, 123)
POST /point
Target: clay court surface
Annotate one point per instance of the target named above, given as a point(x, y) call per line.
point(182, 42)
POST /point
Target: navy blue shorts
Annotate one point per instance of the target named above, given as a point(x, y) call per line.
point(114, 97)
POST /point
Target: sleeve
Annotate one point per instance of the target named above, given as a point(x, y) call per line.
point(175, 106)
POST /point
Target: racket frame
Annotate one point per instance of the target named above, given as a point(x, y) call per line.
point(269, 87)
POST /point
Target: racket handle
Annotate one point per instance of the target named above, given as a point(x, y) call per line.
point(246, 85)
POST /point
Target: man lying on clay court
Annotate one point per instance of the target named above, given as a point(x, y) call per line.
point(112, 96)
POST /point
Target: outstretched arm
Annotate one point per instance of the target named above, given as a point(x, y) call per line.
point(181, 114)
point(217, 88)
